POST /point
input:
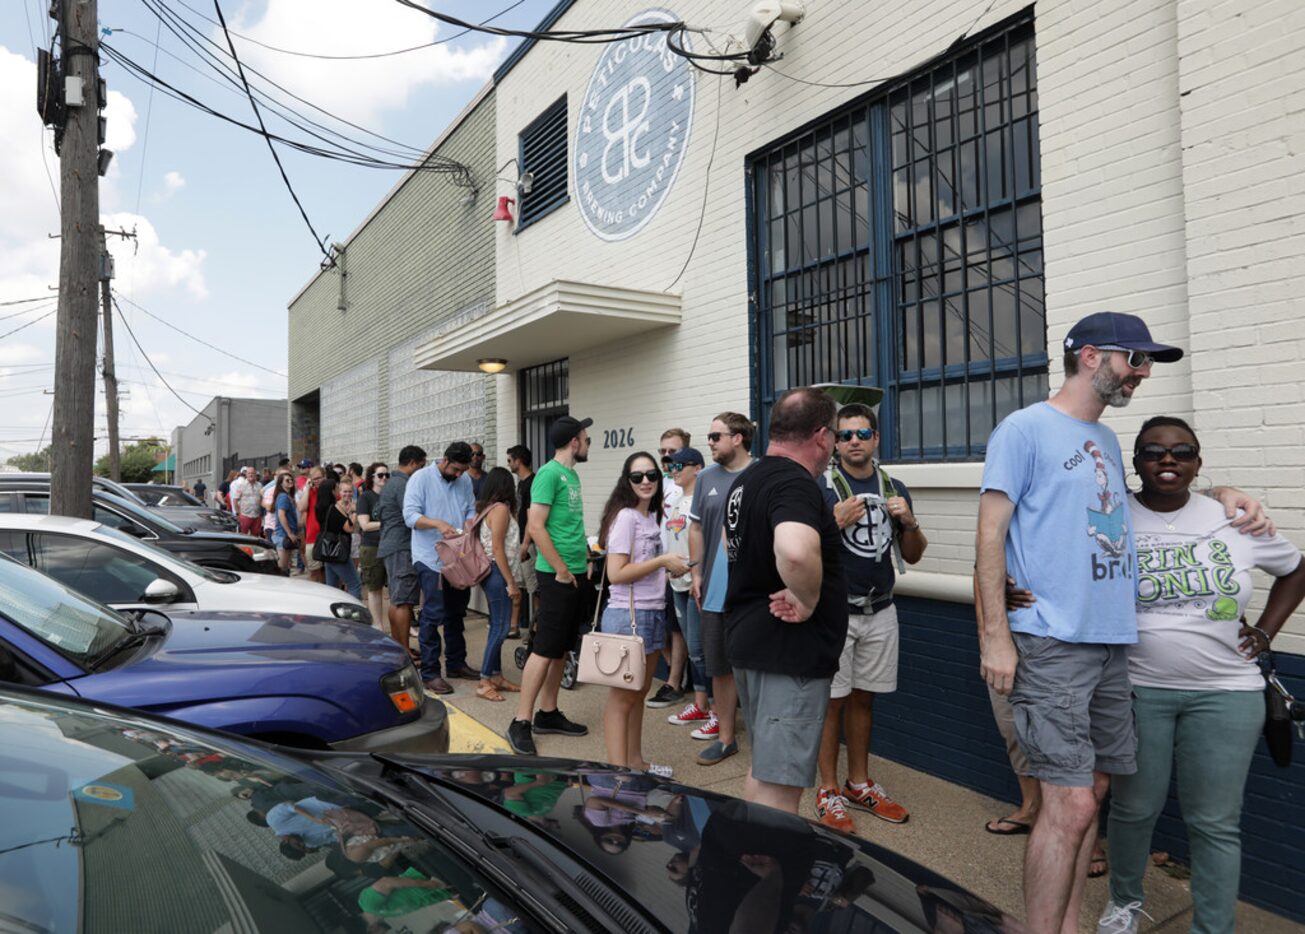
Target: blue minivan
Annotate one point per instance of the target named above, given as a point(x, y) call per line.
point(295, 680)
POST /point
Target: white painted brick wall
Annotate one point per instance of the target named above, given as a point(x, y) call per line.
point(1188, 210)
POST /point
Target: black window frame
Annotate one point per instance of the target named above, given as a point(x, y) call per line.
point(543, 149)
point(849, 305)
point(544, 396)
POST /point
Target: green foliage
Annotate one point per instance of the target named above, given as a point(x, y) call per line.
point(36, 462)
point(137, 461)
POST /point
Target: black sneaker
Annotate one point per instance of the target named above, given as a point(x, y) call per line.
point(520, 739)
point(554, 721)
point(666, 696)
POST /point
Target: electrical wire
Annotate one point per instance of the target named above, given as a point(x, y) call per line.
point(199, 340)
point(132, 334)
point(578, 36)
point(320, 241)
point(706, 187)
point(352, 58)
point(149, 112)
point(823, 84)
point(23, 327)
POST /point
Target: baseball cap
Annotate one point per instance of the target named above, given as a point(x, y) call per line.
point(565, 428)
point(459, 452)
point(689, 456)
point(1115, 330)
point(305, 463)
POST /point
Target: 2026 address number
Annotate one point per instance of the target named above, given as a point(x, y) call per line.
point(618, 438)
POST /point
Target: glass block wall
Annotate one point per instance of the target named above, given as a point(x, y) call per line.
point(432, 408)
point(349, 422)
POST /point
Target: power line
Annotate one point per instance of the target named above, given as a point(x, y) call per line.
point(27, 301)
point(149, 112)
point(199, 340)
point(321, 243)
point(579, 36)
point(19, 314)
point(706, 187)
point(22, 327)
point(132, 334)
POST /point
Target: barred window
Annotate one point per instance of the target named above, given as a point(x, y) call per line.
point(899, 244)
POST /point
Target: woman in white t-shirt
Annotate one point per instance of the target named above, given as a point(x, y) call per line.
point(630, 533)
point(1198, 691)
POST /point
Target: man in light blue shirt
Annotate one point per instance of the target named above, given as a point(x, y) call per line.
point(437, 502)
point(297, 828)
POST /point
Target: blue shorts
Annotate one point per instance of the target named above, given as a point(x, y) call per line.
point(649, 625)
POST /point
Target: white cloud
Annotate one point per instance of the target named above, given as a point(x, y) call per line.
point(359, 90)
point(173, 182)
point(119, 122)
point(145, 266)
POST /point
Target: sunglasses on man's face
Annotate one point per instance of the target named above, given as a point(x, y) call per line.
point(666, 452)
point(1179, 452)
point(652, 476)
point(847, 434)
point(714, 436)
point(676, 468)
point(1136, 359)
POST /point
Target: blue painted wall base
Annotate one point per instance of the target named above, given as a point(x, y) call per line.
point(940, 722)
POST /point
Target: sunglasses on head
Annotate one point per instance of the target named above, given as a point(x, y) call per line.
point(1179, 452)
point(864, 434)
point(652, 476)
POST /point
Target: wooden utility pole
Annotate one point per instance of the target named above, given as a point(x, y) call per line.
point(79, 262)
point(110, 376)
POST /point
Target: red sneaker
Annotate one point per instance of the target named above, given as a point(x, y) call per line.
point(709, 730)
point(874, 799)
point(691, 714)
point(831, 809)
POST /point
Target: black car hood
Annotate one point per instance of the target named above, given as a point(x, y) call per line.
point(705, 862)
point(227, 538)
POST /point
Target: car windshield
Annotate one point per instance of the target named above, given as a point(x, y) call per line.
point(140, 513)
point(73, 624)
point(166, 558)
point(114, 822)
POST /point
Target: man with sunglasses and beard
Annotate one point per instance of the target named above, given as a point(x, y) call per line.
point(873, 513)
point(1052, 515)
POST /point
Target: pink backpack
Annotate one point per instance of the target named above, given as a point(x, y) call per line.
point(463, 556)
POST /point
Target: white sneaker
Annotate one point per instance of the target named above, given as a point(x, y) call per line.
point(1120, 919)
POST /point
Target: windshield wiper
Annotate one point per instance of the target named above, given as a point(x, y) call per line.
point(133, 639)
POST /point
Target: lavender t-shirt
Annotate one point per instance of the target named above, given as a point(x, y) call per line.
point(645, 532)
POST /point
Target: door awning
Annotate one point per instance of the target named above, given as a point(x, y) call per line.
point(554, 321)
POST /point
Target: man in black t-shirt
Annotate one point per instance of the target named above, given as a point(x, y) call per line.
point(520, 461)
point(786, 605)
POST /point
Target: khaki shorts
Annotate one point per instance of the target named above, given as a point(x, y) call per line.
point(869, 659)
point(529, 579)
point(371, 568)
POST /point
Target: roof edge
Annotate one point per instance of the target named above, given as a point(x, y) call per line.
point(545, 24)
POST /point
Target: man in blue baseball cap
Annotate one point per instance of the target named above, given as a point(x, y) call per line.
point(1053, 514)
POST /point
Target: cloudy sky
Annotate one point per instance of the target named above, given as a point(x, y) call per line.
point(220, 248)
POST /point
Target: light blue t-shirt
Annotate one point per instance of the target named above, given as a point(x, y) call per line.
point(1070, 539)
point(713, 601)
point(429, 494)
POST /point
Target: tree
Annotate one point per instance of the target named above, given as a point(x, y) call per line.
point(36, 462)
point(138, 461)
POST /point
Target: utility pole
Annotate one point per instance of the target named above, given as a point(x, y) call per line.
point(79, 261)
point(110, 376)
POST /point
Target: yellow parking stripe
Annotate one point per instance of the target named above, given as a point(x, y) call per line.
point(469, 735)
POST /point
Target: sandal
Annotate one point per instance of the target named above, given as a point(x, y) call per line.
point(506, 686)
point(1012, 828)
point(486, 691)
point(1098, 861)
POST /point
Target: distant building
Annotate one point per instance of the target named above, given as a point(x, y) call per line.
point(230, 433)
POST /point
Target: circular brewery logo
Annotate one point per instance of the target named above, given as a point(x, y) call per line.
point(633, 130)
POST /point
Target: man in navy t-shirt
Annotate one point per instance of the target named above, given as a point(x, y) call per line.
point(876, 520)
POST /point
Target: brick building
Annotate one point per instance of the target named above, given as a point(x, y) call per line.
point(923, 201)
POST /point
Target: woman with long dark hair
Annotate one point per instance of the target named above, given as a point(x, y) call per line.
point(636, 570)
point(371, 567)
point(499, 536)
point(335, 514)
point(286, 535)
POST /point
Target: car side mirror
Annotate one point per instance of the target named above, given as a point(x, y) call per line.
point(161, 591)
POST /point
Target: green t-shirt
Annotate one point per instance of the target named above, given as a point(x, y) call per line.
point(401, 901)
point(558, 488)
point(535, 802)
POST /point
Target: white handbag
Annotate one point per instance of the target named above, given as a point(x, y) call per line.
point(617, 661)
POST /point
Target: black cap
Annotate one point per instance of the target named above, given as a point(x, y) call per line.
point(565, 428)
point(1113, 330)
point(690, 456)
point(459, 452)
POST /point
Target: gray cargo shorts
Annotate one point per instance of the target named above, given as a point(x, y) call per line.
point(405, 586)
point(786, 715)
point(1073, 707)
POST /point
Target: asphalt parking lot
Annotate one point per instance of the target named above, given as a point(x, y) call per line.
point(945, 832)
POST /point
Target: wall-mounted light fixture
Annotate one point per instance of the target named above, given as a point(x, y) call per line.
point(492, 365)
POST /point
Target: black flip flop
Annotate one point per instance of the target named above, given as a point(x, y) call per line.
point(1020, 827)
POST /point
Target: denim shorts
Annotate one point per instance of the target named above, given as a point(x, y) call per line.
point(649, 625)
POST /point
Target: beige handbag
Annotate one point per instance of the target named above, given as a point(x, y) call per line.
point(616, 661)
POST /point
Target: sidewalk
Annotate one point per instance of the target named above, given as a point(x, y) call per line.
point(945, 832)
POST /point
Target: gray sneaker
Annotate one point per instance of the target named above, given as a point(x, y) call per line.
point(1120, 919)
point(716, 752)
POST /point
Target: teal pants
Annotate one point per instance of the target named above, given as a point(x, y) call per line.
point(1211, 736)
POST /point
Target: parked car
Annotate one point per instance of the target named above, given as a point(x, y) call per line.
point(228, 550)
point(201, 519)
point(164, 494)
point(123, 571)
point(113, 814)
point(302, 681)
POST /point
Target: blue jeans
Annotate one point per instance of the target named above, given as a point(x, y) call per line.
point(1211, 736)
point(691, 626)
point(500, 618)
point(445, 606)
point(343, 573)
